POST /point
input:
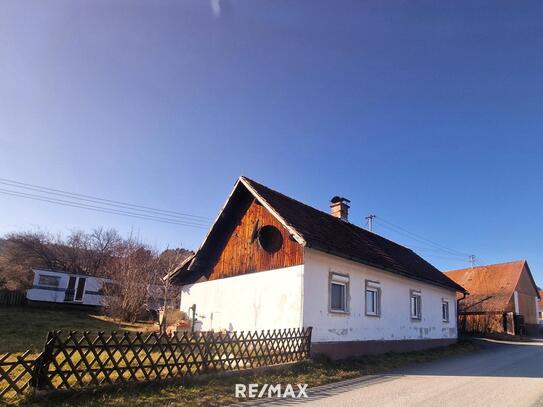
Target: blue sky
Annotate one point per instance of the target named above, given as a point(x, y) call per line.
point(426, 113)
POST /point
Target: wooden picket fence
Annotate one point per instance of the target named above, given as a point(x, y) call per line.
point(12, 297)
point(79, 360)
point(17, 373)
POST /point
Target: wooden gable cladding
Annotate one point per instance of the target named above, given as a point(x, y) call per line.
point(242, 252)
point(527, 297)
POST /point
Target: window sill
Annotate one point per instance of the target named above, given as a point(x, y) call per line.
point(416, 319)
point(373, 315)
point(338, 312)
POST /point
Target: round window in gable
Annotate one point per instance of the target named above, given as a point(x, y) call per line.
point(270, 238)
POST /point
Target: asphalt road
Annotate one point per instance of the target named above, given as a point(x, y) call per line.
point(501, 374)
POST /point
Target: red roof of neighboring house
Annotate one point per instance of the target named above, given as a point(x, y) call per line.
point(490, 287)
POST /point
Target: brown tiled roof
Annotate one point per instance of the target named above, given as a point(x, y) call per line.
point(324, 232)
point(490, 287)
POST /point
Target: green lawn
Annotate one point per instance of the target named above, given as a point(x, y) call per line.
point(220, 391)
point(26, 327)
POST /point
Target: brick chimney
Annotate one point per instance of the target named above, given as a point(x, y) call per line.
point(339, 208)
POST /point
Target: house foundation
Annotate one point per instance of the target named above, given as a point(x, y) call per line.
point(343, 350)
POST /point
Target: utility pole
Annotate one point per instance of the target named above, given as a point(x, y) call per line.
point(193, 309)
point(370, 219)
point(472, 260)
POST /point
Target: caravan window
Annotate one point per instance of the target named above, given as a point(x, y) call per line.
point(48, 280)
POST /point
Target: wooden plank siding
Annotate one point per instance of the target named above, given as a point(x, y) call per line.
point(242, 253)
point(526, 297)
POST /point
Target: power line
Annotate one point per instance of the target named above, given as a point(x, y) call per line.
point(419, 238)
point(103, 201)
point(435, 250)
point(437, 247)
point(448, 258)
point(98, 208)
point(395, 230)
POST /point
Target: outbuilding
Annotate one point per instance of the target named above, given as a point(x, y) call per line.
point(503, 298)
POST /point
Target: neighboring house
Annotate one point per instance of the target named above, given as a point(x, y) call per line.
point(271, 262)
point(66, 288)
point(503, 298)
point(540, 308)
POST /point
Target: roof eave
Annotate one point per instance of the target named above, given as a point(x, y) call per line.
point(294, 233)
point(178, 270)
point(241, 180)
point(457, 287)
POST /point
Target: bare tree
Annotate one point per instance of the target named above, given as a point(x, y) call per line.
point(133, 269)
point(136, 269)
point(80, 252)
point(169, 261)
point(14, 268)
point(90, 252)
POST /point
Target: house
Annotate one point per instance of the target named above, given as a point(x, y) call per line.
point(540, 308)
point(503, 298)
point(271, 262)
point(67, 288)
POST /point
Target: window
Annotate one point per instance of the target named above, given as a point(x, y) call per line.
point(270, 238)
point(445, 310)
point(49, 281)
point(416, 302)
point(339, 292)
point(338, 297)
point(373, 298)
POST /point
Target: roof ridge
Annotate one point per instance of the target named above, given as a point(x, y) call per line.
point(523, 261)
point(335, 219)
point(324, 232)
point(395, 257)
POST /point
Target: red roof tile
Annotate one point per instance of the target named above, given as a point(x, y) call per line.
point(490, 287)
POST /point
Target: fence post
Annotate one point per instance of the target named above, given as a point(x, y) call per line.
point(40, 379)
point(206, 352)
point(308, 349)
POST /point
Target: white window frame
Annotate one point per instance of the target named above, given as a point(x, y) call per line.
point(445, 305)
point(40, 283)
point(374, 287)
point(339, 280)
point(415, 294)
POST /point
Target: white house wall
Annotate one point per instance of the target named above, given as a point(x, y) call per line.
point(395, 322)
point(257, 301)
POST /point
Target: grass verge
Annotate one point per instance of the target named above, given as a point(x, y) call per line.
point(219, 391)
point(26, 327)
